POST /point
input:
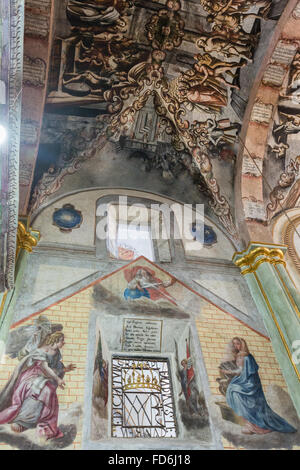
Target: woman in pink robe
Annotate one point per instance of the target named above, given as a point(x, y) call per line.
point(29, 399)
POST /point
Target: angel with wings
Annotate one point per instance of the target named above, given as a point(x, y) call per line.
point(29, 399)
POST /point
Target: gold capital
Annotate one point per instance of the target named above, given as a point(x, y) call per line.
point(26, 239)
point(257, 256)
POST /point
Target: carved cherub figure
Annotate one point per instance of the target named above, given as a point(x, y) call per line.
point(211, 67)
point(240, 7)
point(225, 47)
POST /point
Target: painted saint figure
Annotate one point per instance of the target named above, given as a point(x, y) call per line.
point(245, 393)
point(193, 407)
point(190, 88)
point(143, 283)
point(100, 384)
point(187, 379)
point(221, 45)
point(94, 12)
point(29, 399)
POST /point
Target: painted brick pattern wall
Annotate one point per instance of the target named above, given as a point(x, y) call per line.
point(215, 329)
point(73, 314)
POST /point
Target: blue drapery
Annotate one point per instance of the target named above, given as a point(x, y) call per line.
point(246, 397)
point(136, 293)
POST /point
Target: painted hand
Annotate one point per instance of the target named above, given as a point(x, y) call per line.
point(70, 367)
point(61, 384)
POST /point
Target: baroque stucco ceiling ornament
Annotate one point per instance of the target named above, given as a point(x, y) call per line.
point(165, 30)
point(84, 147)
point(104, 64)
point(268, 173)
point(151, 81)
point(285, 127)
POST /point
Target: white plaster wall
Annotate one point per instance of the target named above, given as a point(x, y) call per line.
point(84, 236)
point(51, 279)
point(227, 290)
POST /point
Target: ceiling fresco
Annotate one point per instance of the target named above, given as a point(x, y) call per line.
point(283, 146)
point(168, 81)
point(268, 160)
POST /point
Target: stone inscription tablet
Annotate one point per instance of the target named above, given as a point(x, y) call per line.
point(252, 166)
point(284, 53)
point(37, 26)
point(38, 4)
point(274, 75)
point(141, 335)
point(34, 71)
point(261, 112)
point(255, 210)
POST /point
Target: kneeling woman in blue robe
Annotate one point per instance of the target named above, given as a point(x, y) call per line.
point(246, 397)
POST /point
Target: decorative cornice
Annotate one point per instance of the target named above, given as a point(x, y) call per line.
point(14, 104)
point(255, 255)
point(249, 260)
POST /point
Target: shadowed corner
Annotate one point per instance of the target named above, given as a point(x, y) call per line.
point(24, 442)
point(106, 299)
point(281, 402)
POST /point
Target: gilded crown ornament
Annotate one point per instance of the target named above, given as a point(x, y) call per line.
point(140, 376)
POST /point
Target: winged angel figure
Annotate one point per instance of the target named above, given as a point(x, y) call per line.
point(29, 399)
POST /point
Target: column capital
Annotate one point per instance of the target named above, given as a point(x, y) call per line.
point(257, 253)
point(26, 238)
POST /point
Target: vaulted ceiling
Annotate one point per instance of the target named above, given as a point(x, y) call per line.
point(163, 85)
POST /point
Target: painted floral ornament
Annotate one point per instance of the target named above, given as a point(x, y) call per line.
point(67, 218)
point(209, 235)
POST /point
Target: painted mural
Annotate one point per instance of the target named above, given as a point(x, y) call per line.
point(143, 283)
point(100, 393)
point(29, 399)
point(283, 149)
point(142, 287)
point(205, 235)
point(191, 400)
point(67, 218)
point(168, 81)
point(270, 170)
point(284, 140)
point(98, 369)
point(241, 385)
point(150, 95)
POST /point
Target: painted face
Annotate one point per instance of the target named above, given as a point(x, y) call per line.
point(144, 274)
point(166, 30)
point(61, 342)
point(237, 345)
point(173, 5)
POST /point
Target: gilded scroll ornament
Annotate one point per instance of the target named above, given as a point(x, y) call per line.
point(258, 256)
point(165, 30)
point(25, 238)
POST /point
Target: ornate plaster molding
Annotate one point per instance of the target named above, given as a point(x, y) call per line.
point(16, 29)
point(251, 258)
point(26, 239)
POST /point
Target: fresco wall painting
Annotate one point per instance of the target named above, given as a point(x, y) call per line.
point(81, 375)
